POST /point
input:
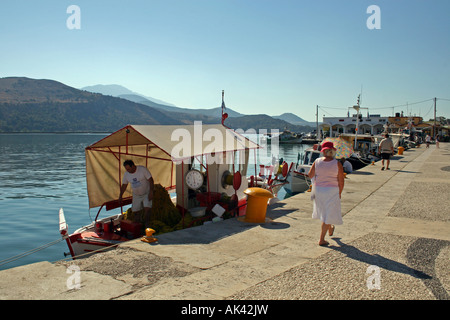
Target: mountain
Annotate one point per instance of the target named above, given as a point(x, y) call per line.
point(116, 90)
point(32, 105)
point(122, 92)
point(29, 105)
point(18, 90)
point(294, 119)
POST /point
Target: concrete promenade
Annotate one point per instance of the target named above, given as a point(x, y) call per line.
point(394, 244)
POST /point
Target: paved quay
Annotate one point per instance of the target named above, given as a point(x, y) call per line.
point(394, 244)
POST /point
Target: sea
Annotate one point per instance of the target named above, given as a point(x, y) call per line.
point(43, 172)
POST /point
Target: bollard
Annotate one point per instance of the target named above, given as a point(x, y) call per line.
point(400, 150)
point(256, 204)
point(149, 238)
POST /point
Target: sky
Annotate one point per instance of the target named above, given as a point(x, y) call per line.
point(269, 56)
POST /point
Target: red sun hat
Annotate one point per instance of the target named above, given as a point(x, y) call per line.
point(327, 145)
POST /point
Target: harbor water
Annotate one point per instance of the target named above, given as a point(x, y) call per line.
point(41, 173)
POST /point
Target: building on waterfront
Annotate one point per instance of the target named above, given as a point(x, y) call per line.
point(375, 124)
point(367, 124)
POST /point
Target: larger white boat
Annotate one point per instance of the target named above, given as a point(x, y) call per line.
point(287, 137)
point(297, 179)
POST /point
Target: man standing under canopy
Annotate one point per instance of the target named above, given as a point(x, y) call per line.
point(142, 186)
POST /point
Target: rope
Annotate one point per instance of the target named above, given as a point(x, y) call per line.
point(359, 158)
point(90, 252)
point(306, 180)
point(27, 253)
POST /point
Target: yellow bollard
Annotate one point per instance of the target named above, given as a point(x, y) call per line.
point(149, 236)
point(256, 205)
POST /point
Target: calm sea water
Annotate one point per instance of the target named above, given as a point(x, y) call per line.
point(39, 174)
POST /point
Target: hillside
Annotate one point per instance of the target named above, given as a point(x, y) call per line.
point(30, 105)
point(116, 90)
point(294, 119)
point(122, 92)
point(16, 90)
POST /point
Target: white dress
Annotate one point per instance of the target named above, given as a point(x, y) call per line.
point(326, 201)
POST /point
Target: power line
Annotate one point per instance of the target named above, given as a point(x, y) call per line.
point(382, 108)
point(326, 111)
point(429, 110)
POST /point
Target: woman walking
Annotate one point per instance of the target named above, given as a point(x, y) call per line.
point(328, 178)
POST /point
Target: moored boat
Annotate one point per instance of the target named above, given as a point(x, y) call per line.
point(200, 174)
point(287, 137)
point(297, 179)
point(365, 149)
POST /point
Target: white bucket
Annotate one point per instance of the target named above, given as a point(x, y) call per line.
point(197, 212)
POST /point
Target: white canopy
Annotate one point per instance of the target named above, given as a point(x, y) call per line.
point(159, 148)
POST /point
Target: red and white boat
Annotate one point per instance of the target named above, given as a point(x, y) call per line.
point(197, 162)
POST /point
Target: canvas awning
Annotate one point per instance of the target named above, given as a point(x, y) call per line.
point(159, 148)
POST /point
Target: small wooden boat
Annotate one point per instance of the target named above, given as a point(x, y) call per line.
point(172, 154)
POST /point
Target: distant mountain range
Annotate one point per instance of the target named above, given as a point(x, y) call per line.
point(122, 92)
point(31, 105)
point(116, 90)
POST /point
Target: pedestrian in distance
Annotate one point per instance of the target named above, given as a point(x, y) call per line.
point(386, 148)
point(428, 140)
point(327, 175)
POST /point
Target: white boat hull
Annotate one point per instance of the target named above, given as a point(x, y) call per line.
point(87, 240)
point(297, 180)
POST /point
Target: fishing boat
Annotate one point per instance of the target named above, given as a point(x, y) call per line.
point(271, 177)
point(204, 166)
point(365, 149)
point(366, 152)
point(286, 137)
point(310, 138)
point(297, 179)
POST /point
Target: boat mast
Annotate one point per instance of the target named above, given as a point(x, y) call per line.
point(357, 107)
point(224, 115)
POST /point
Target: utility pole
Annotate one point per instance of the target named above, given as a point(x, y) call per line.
point(434, 126)
point(318, 135)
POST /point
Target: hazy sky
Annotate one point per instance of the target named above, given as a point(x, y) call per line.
point(269, 56)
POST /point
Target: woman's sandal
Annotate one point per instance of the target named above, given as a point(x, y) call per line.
point(331, 231)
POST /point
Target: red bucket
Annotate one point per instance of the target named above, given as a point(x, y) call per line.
point(207, 198)
point(98, 227)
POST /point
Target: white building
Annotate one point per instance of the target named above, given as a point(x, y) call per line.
point(370, 124)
